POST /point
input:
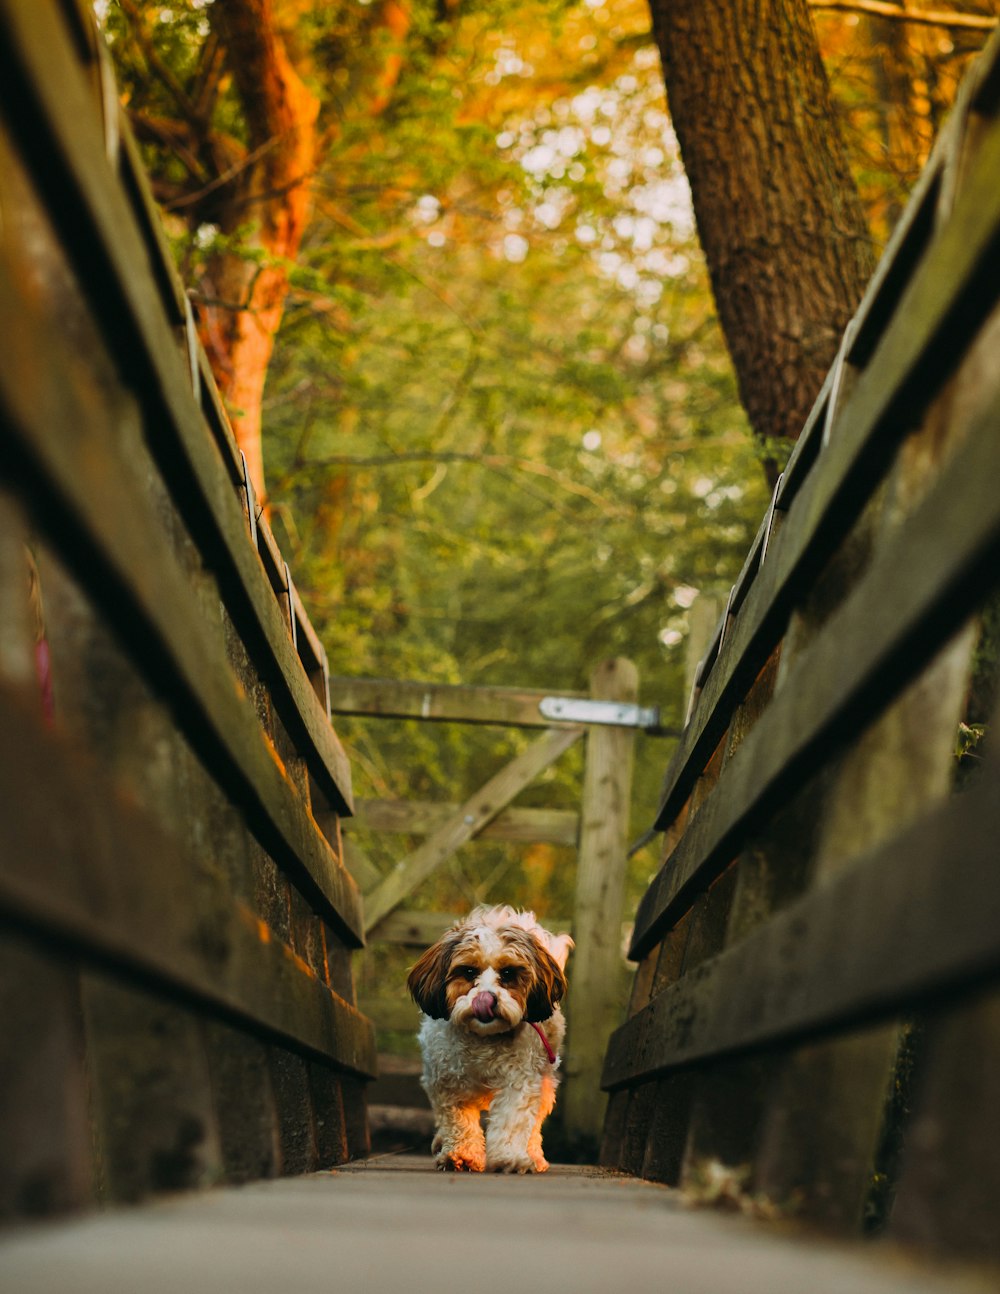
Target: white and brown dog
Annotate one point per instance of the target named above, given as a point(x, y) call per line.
point(489, 990)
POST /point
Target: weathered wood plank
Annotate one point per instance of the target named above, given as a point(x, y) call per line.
point(216, 415)
point(133, 174)
point(451, 703)
point(950, 1174)
point(293, 1103)
point(421, 929)
point(383, 1225)
point(722, 1121)
point(331, 1121)
point(597, 984)
point(398, 1083)
point(938, 312)
point(412, 929)
point(823, 1123)
point(924, 917)
point(245, 1109)
point(421, 817)
point(354, 1102)
point(626, 1148)
point(102, 234)
point(153, 1108)
point(399, 1013)
point(931, 575)
point(470, 818)
point(796, 1024)
point(83, 865)
point(700, 937)
point(81, 487)
point(47, 1161)
point(19, 596)
point(807, 447)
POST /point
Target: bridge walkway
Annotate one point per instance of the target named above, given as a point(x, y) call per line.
point(392, 1223)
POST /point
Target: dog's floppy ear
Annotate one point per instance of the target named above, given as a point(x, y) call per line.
point(427, 979)
point(549, 986)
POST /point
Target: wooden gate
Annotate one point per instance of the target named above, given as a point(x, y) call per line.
point(817, 1002)
point(608, 717)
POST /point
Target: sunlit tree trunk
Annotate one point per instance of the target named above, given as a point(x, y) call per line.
point(778, 212)
point(244, 299)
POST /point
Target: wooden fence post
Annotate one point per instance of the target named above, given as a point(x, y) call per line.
point(597, 976)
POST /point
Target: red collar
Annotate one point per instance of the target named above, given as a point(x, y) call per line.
point(545, 1042)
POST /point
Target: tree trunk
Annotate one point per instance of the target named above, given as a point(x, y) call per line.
point(246, 293)
point(778, 213)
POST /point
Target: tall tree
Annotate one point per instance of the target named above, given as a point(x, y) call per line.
point(233, 101)
point(270, 192)
point(778, 212)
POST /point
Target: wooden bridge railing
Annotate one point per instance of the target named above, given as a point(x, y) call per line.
point(176, 923)
point(817, 999)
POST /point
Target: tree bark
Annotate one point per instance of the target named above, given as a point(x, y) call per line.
point(778, 212)
point(245, 294)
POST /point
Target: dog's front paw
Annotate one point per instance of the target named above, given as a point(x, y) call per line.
point(513, 1162)
point(463, 1160)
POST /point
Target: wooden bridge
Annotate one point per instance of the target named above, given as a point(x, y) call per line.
point(813, 1040)
point(397, 1225)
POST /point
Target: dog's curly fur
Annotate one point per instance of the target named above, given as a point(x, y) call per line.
point(482, 987)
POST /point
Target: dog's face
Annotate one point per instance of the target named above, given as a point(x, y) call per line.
point(488, 974)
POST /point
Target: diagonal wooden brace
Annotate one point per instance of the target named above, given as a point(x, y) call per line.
point(466, 822)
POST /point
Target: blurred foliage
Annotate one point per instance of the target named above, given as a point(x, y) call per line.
point(502, 434)
point(894, 82)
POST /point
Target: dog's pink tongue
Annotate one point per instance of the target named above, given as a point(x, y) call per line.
point(483, 1005)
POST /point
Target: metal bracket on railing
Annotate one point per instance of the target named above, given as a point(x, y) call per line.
point(841, 368)
point(617, 714)
point(725, 624)
point(325, 666)
point(249, 499)
point(191, 338)
point(290, 602)
point(110, 104)
point(769, 523)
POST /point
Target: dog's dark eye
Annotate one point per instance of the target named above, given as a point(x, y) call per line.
point(466, 972)
point(510, 974)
